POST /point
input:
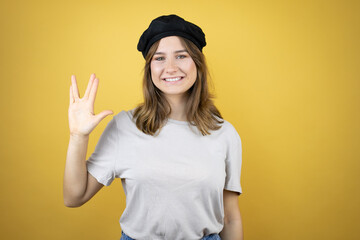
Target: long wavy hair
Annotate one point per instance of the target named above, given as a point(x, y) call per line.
point(152, 114)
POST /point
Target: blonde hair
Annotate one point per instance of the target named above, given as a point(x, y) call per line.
point(151, 115)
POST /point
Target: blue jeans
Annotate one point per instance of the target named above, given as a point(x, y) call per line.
point(209, 237)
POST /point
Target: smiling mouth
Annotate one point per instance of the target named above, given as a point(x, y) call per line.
point(175, 79)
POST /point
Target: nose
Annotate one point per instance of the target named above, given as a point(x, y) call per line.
point(171, 66)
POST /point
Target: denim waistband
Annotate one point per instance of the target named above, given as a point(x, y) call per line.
point(209, 237)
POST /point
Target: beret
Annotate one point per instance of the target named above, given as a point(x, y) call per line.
point(170, 25)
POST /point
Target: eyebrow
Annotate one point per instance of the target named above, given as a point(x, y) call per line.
point(178, 51)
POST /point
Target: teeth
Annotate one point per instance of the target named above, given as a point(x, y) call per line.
point(172, 79)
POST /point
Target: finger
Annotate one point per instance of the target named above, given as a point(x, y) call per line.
point(93, 90)
point(71, 95)
point(74, 87)
point(102, 115)
point(91, 80)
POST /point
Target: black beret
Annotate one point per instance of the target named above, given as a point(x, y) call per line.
point(170, 25)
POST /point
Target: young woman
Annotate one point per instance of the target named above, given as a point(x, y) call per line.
point(178, 160)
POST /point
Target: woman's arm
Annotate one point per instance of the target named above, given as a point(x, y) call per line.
point(79, 186)
point(233, 229)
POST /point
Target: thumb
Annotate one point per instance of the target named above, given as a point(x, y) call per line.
point(99, 117)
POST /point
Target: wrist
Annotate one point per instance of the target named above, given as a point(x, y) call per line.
point(78, 137)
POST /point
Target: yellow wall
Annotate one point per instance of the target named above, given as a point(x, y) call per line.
point(286, 75)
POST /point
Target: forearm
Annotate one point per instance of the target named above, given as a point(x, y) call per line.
point(75, 175)
point(232, 230)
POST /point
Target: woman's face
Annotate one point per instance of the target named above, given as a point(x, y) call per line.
point(173, 71)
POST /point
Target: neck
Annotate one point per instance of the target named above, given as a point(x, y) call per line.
point(177, 104)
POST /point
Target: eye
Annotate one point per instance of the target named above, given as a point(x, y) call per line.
point(159, 58)
point(181, 56)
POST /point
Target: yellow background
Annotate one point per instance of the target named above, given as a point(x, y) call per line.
point(286, 75)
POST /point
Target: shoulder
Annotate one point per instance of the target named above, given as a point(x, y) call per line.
point(124, 118)
point(124, 114)
point(230, 131)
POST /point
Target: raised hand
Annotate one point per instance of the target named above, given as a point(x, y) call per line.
point(82, 119)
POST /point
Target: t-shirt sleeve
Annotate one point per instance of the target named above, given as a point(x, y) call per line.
point(233, 162)
point(101, 163)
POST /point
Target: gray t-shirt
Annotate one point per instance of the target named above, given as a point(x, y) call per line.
point(173, 182)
